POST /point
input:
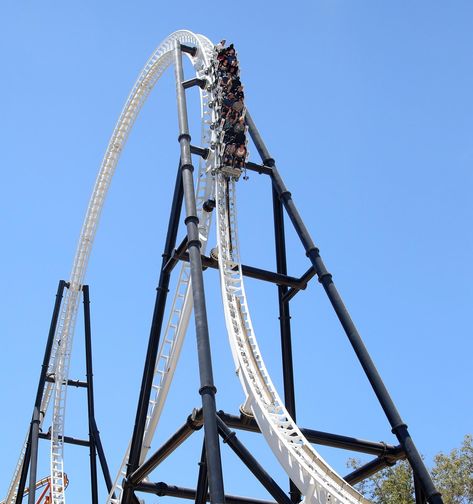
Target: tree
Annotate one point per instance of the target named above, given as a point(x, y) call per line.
point(452, 474)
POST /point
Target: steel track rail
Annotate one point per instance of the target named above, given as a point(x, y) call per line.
point(181, 309)
point(316, 480)
point(61, 354)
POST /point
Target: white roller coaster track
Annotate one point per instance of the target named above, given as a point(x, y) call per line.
point(316, 480)
point(60, 359)
point(173, 338)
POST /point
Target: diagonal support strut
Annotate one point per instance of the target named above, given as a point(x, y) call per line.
point(399, 428)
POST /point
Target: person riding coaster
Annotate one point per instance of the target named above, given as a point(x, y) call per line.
point(231, 146)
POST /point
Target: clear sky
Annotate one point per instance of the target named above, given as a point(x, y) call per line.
point(367, 108)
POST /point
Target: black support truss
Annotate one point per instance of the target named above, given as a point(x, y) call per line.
point(398, 427)
point(207, 388)
point(210, 482)
point(94, 442)
point(210, 475)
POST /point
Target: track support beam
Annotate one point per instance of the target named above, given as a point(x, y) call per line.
point(188, 49)
point(207, 387)
point(203, 479)
point(304, 280)
point(372, 467)
point(31, 455)
point(70, 383)
point(90, 395)
point(257, 273)
point(253, 465)
point(193, 423)
point(321, 438)
point(194, 82)
point(284, 322)
point(67, 439)
point(163, 489)
point(203, 153)
point(153, 342)
point(419, 494)
point(102, 459)
point(399, 428)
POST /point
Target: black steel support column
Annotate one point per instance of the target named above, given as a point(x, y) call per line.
point(419, 494)
point(322, 438)
point(372, 467)
point(31, 454)
point(253, 465)
point(193, 423)
point(284, 322)
point(399, 428)
point(70, 383)
point(202, 489)
point(24, 471)
point(207, 387)
point(153, 343)
point(90, 395)
point(252, 272)
point(102, 459)
point(66, 439)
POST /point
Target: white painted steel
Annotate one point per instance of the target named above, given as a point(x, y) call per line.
point(60, 358)
point(315, 479)
point(173, 337)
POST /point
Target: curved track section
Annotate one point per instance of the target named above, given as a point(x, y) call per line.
point(60, 359)
point(315, 479)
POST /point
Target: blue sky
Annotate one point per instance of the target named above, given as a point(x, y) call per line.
point(367, 108)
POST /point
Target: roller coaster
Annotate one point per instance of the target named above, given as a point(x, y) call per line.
point(223, 157)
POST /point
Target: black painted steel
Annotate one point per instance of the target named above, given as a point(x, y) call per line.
point(207, 387)
point(32, 460)
point(209, 205)
point(261, 169)
point(278, 278)
point(194, 82)
point(246, 423)
point(399, 428)
point(176, 254)
point(66, 439)
point(284, 323)
point(153, 343)
point(252, 272)
point(193, 423)
point(304, 280)
point(202, 480)
point(419, 494)
point(372, 467)
point(70, 383)
point(90, 395)
point(163, 489)
point(253, 465)
point(24, 470)
point(203, 153)
point(102, 459)
point(188, 49)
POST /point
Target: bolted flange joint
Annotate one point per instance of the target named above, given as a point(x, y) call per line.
point(208, 389)
point(184, 136)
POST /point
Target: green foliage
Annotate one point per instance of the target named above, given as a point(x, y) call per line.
point(452, 475)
